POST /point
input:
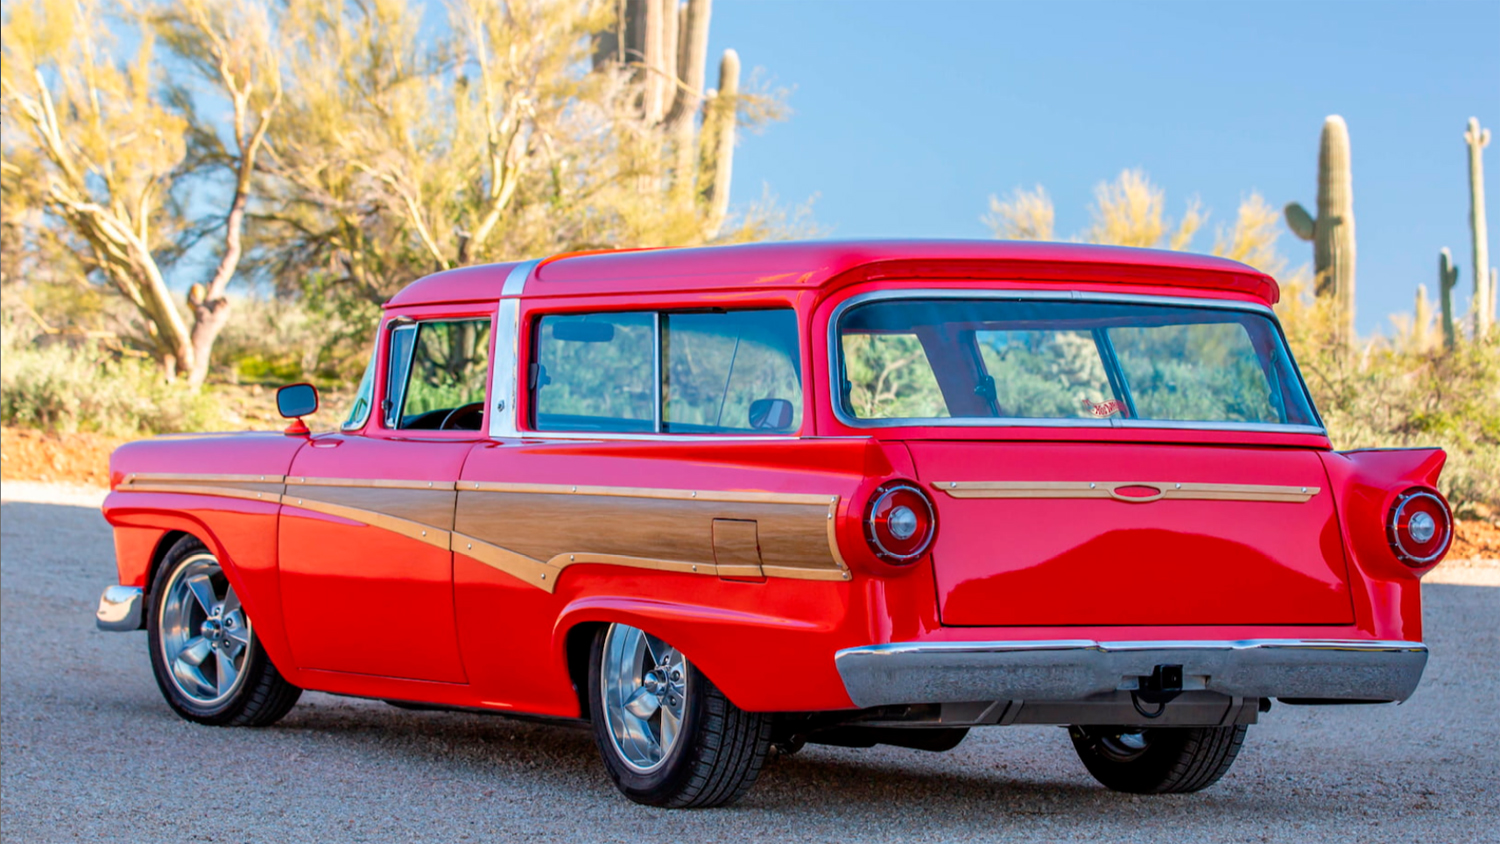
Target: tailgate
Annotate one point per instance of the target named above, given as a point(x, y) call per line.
point(1117, 534)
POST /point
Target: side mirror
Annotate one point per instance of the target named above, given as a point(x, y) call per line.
point(295, 401)
point(771, 414)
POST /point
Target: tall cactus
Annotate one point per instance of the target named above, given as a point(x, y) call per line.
point(716, 157)
point(1484, 298)
point(1447, 280)
point(1332, 231)
point(665, 43)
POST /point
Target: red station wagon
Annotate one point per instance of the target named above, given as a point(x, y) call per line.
point(715, 501)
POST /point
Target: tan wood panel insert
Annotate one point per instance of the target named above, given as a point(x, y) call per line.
point(737, 550)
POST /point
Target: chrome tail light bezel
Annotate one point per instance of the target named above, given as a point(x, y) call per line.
point(1397, 527)
point(884, 548)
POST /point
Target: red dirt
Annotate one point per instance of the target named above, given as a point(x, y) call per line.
point(27, 455)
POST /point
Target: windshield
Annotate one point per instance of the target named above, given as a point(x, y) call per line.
point(1105, 362)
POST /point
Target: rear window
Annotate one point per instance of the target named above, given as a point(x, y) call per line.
point(1102, 362)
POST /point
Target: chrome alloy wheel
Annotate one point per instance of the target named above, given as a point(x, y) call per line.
point(1121, 744)
point(204, 634)
point(643, 683)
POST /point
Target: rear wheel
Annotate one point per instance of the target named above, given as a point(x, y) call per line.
point(668, 736)
point(1164, 760)
point(210, 666)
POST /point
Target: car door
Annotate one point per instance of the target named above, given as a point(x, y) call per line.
point(366, 569)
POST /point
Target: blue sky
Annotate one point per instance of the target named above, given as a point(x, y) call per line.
point(907, 116)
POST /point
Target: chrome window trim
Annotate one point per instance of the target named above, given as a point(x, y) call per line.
point(835, 356)
point(505, 374)
point(659, 396)
point(395, 392)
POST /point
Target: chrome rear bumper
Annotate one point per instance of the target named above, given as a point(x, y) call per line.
point(1080, 669)
point(120, 609)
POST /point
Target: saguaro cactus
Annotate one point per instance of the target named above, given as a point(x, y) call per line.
point(1447, 280)
point(1484, 297)
point(1332, 231)
point(665, 42)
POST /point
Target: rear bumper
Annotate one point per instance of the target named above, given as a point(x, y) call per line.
point(1081, 669)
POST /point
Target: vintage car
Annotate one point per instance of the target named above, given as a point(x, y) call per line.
point(718, 501)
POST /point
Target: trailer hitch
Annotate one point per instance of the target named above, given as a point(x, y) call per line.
point(1163, 684)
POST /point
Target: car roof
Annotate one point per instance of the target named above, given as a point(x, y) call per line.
point(816, 264)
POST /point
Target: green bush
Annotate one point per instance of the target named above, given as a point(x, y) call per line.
point(1395, 393)
point(68, 388)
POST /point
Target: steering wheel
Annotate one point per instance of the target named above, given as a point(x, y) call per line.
point(458, 413)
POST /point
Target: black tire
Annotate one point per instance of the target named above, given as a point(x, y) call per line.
point(1162, 760)
point(260, 699)
point(719, 753)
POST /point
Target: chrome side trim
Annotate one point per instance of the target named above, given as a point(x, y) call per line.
point(834, 357)
point(515, 281)
point(505, 379)
point(1111, 489)
point(1082, 669)
point(121, 609)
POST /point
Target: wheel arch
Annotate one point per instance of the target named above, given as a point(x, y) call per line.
point(713, 639)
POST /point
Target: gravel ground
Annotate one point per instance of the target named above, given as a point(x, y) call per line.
point(89, 752)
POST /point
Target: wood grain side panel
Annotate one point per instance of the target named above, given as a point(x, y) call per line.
point(792, 537)
point(736, 549)
point(270, 493)
point(419, 531)
point(430, 507)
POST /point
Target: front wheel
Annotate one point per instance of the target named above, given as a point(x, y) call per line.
point(1163, 760)
point(668, 736)
point(210, 666)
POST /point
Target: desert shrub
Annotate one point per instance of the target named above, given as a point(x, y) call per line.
point(83, 387)
point(279, 341)
point(1390, 394)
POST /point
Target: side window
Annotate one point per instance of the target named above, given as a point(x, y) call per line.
point(359, 413)
point(440, 369)
point(643, 372)
point(595, 373)
point(733, 372)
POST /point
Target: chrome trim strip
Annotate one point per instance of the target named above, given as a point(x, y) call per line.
point(834, 357)
point(515, 281)
point(166, 477)
point(212, 491)
point(370, 483)
point(1110, 489)
point(609, 436)
point(1078, 669)
point(505, 378)
point(651, 492)
point(121, 609)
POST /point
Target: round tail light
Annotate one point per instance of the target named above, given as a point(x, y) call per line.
point(900, 522)
point(1420, 527)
